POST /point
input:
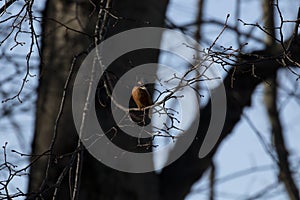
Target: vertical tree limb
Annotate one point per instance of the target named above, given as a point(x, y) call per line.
point(270, 98)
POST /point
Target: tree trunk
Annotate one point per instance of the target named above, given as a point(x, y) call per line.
point(59, 46)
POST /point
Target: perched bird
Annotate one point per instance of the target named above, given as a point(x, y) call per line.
point(141, 96)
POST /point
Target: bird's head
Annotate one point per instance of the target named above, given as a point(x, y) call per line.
point(140, 83)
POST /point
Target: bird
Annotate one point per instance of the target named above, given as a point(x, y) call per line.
point(141, 96)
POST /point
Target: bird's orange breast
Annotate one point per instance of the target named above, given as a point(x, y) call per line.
point(141, 97)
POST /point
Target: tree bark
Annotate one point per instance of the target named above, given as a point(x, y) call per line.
point(59, 45)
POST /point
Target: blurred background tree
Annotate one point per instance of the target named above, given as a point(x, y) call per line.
point(60, 168)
